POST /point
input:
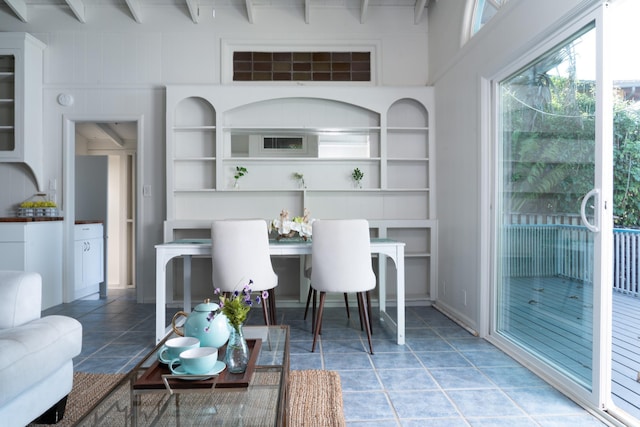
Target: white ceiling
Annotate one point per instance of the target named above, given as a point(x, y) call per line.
point(118, 132)
point(22, 8)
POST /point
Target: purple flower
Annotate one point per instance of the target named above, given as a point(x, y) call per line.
point(265, 294)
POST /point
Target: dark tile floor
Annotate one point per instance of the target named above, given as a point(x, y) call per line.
point(443, 376)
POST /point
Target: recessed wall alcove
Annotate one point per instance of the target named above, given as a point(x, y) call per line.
point(324, 134)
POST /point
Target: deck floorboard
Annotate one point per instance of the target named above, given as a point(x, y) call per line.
point(562, 312)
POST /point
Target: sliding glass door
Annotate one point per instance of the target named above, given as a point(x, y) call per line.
point(550, 204)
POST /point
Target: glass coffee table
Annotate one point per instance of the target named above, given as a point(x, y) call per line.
point(150, 396)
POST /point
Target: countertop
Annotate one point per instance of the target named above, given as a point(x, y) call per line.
point(45, 218)
point(30, 218)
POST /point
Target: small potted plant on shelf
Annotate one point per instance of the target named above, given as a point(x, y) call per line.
point(240, 172)
point(357, 176)
point(300, 178)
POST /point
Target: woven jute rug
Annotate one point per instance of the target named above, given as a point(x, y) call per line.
point(314, 398)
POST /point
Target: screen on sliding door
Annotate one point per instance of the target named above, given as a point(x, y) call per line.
point(546, 168)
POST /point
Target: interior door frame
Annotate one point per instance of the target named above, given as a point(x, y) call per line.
point(599, 398)
point(68, 196)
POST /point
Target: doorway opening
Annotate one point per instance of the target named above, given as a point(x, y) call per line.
point(103, 156)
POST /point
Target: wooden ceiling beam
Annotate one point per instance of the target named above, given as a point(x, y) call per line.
point(307, 11)
point(77, 7)
point(193, 11)
point(113, 136)
point(250, 11)
point(136, 10)
point(364, 8)
point(19, 7)
point(419, 10)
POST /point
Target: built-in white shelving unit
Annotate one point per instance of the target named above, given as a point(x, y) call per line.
point(322, 133)
point(21, 101)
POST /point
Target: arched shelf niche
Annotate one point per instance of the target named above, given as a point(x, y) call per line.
point(408, 145)
point(407, 113)
point(194, 111)
point(193, 146)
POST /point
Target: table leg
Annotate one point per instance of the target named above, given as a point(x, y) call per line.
point(186, 274)
point(382, 279)
point(161, 279)
point(400, 292)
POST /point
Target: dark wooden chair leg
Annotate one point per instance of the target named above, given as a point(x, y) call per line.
point(364, 313)
point(313, 311)
point(370, 314)
point(272, 306)
point(346, 304)
point(318, 320)
point(360, 313)
point(306, 308)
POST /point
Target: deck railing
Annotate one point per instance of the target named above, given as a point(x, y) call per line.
point(565, 250)
point(626, 245)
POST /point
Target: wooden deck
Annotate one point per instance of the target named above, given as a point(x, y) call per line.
point(553, 317)
point(626, 353)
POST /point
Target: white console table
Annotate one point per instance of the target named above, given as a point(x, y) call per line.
point(187, 248)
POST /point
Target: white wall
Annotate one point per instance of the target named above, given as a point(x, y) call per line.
point(462, 120)
point(115, 67)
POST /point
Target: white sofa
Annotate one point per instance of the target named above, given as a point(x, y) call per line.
point(36, 366)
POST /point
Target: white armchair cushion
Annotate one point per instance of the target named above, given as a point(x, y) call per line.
point(36, 354)
point(33, 352)
point(20, 298)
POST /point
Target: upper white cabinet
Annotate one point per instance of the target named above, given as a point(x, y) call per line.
point(322, 133)
point(21, 101)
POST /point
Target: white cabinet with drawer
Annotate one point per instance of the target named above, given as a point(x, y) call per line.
point(89, 259)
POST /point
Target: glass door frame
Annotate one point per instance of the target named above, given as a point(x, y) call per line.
point(599, 397)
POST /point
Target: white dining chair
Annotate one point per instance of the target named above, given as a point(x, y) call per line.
point(307, 275)
point(341, 263)
point(240, 253)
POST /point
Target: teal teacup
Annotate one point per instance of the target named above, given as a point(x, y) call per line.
point(196, 361)
point(173, 347)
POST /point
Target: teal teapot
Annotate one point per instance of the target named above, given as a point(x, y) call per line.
point(211, 333)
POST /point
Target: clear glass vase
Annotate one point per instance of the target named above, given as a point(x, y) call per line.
point(237, 356)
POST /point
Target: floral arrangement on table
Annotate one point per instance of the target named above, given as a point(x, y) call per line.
point(237, 306)
point(289, 227)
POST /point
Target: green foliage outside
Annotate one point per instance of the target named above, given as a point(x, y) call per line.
point(626, 165)
point(549, 135)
